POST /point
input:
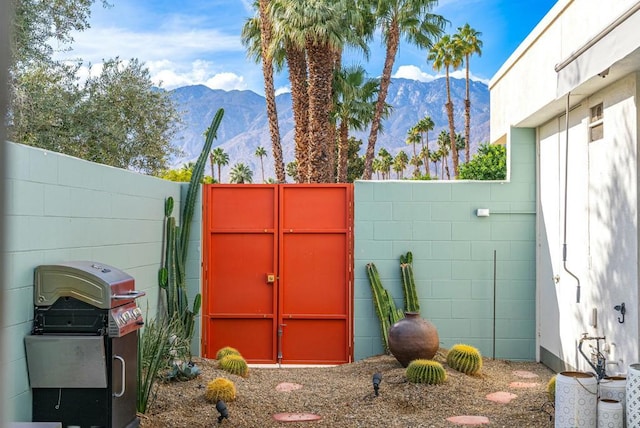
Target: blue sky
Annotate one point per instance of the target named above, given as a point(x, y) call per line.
point(191, 42)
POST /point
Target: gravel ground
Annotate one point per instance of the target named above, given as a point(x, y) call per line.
point(343, 396)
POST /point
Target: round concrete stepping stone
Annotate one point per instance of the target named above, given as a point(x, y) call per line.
point(288, 387)
point(469, 420)
point(525, 374)
point(296, 417)
point(501, 397)
point(523, 384)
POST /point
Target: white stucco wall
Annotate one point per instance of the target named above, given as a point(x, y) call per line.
point(566, 28)
point(600, 224)
point(601, 230)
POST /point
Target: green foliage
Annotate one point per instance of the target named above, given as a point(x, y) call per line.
point(426, 371)
point(234, 364)
point(220, 389)
point(465, 359)
point(37, 23)
point(490, 163)
point(116, 118)
point(153, 357)
point(384, 305)
point(183, 175)
point(240, 174)
point(227, 350)
point(412, 304)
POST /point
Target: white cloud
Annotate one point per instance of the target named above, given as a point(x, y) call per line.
point(226, 81)
point(414, 73)
point(282, 90)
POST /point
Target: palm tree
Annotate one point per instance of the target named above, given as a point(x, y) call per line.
point(435, 157)
point(240, 174)
point(413, 137)
point(256, 36)
point(261, 152)
point(416, 161)
point(423, 126)
point(413, 20)
point(386, 160)
point(444, 144)
point(315, 27)
point(400, 163)
point(377, 167)
point(220, 158)
point(353, 108)
point(468, 40)
point(445, 54)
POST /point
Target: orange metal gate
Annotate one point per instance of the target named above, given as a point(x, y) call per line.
point(277, 272)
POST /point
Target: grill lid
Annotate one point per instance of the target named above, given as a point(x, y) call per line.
point(94, 283)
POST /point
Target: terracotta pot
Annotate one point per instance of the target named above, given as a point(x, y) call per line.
point(412, 338)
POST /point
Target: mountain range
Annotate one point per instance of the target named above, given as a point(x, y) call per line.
point(245, 126)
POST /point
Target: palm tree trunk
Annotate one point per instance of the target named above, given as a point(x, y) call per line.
point(467, 116)
point(393, 41)
point(300, 103)
point(320, 64)
point(452, 129)
point(343, 152)
point(270, 93)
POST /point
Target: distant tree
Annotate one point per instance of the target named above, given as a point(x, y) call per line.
point(416, 161)
point(116, 118)
point(292, 171)
point(219, 158)
point(400, 163)
point(261, 152)
point(444, 145)
point(435, 157)
point(447, 54)
point(183, 175)
point(355, 163)
point(413, 20)
point(490, 163)
point(469, 41)
point(413, 137)
point(386, 161)
point(240, 174)
point(354, 102)
point(423, 126)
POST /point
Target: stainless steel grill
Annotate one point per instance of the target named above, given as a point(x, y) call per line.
point(82, 353)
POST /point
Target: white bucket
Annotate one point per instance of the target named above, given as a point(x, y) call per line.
point(610, 413)
point(614, 388)
point(576, 400)
point(633, 396)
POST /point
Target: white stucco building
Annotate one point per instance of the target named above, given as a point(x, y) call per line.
point(582, 58)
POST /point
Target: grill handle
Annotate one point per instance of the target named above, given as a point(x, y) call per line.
point(129, 295)
point(121, 393)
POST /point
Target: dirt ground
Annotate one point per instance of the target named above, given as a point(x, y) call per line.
point(343, 396)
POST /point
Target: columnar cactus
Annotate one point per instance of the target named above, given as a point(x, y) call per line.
point(384, 305)
point(412, 304)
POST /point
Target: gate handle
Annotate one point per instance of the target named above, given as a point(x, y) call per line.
point(121, 393)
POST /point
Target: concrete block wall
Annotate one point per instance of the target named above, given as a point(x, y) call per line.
point(453, 256)
point(59, 208)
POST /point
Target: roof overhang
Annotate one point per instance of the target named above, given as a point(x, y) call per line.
point(612, 54)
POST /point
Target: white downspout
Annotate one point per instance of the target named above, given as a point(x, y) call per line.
point(566, 176)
